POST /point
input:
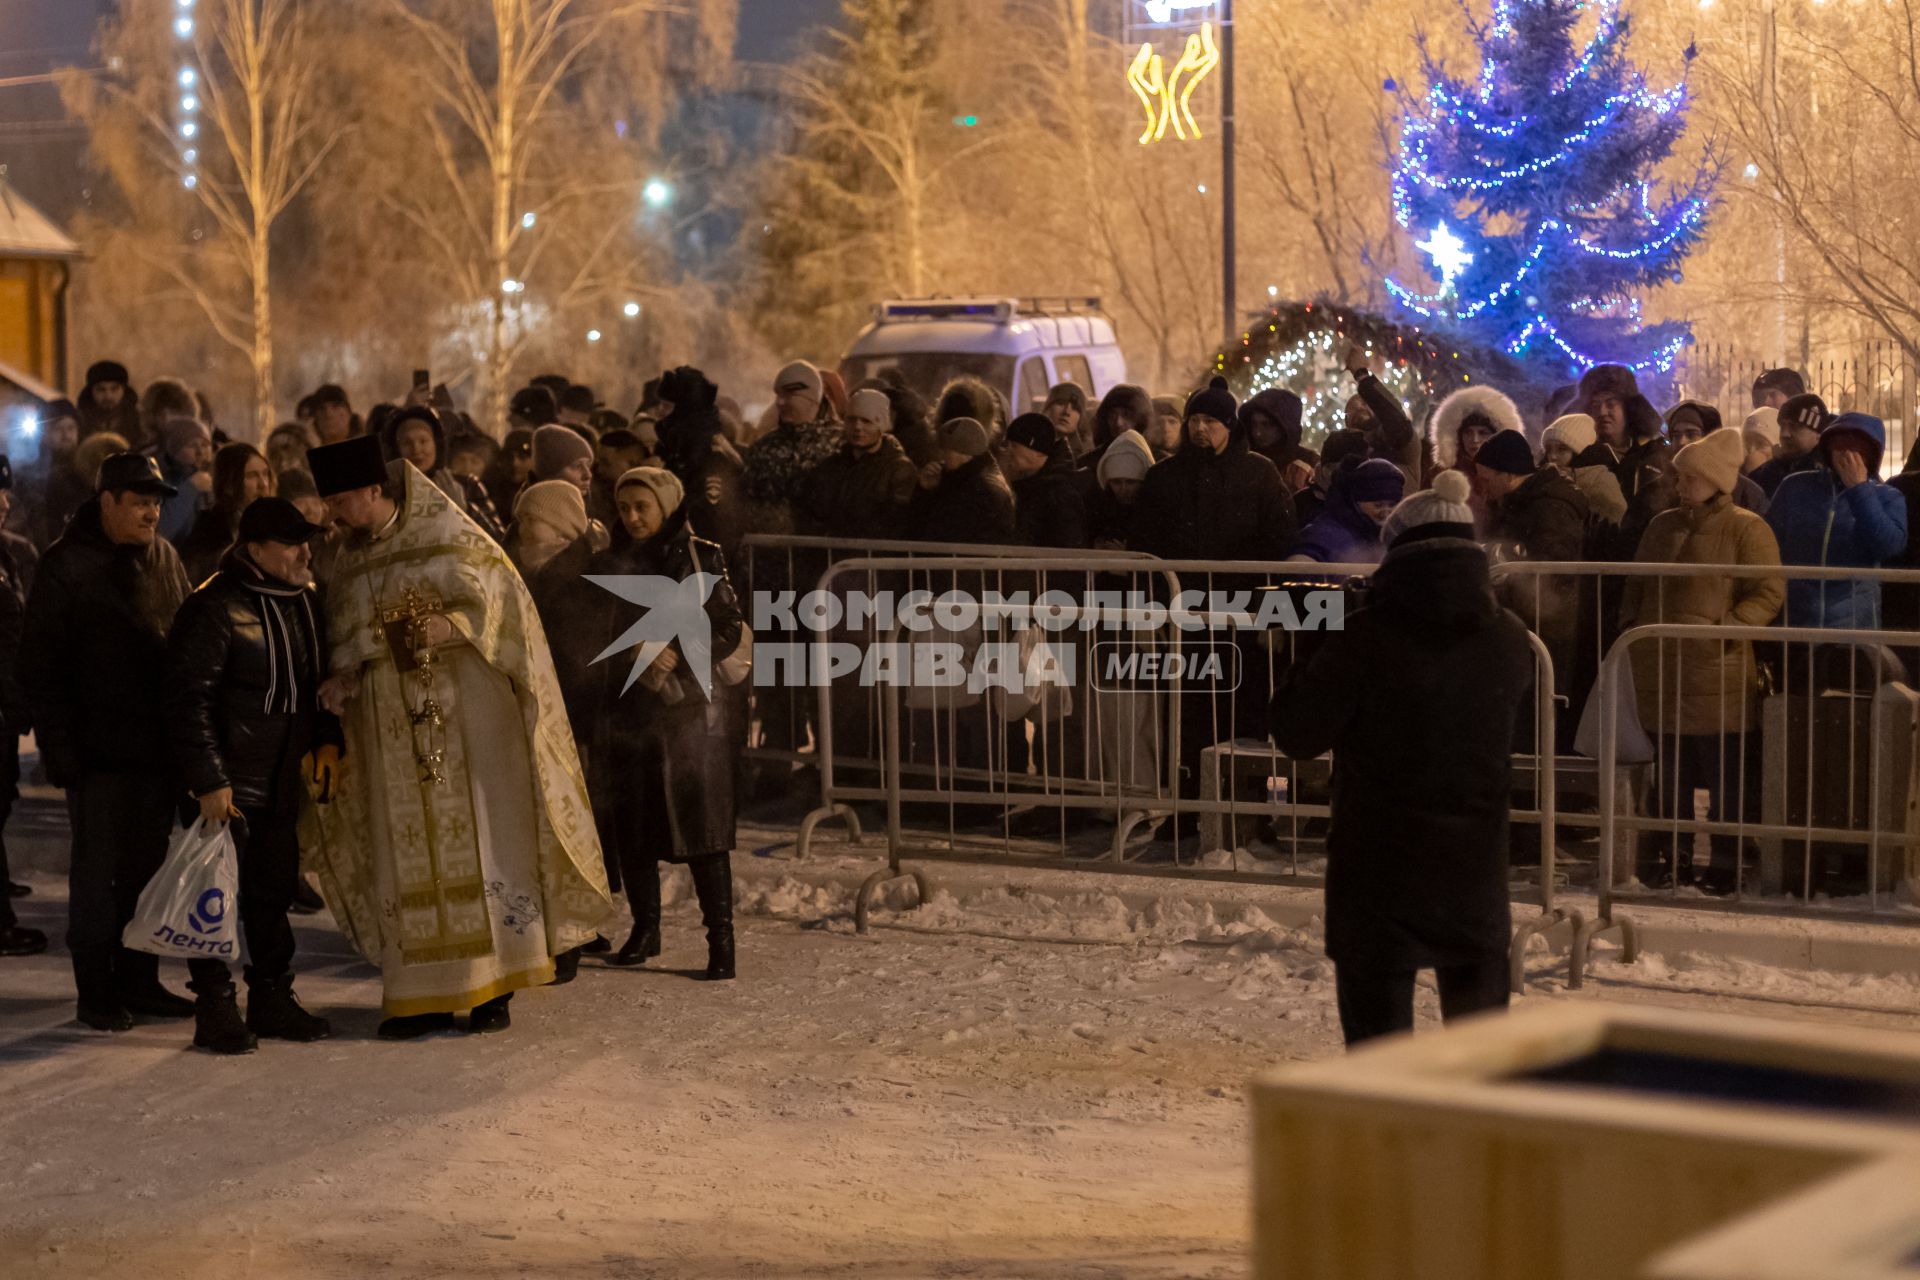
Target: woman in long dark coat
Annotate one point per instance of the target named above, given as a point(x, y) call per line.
point(1417, 699)
point(669, 745)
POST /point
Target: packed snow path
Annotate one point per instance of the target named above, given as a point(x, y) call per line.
point(959, 1102)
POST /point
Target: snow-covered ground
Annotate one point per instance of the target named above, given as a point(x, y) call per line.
point(1014, 1081)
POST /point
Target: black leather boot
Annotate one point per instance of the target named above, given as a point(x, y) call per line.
point(566, 967)
point(643, 896)
point(641, 946)
point(491, 1016)
point(274, 1013)
point(414, 1025)
point(713, 886)
point(217, 1026)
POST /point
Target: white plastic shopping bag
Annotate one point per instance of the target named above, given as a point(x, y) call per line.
point(190, 909)
point(1631, 744)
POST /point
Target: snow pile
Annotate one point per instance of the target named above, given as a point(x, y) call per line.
point(1699, 971)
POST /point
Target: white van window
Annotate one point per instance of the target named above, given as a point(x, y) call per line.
point(1075, 369)
point(1033, 386)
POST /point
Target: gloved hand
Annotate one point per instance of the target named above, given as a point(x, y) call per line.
point(327, 771)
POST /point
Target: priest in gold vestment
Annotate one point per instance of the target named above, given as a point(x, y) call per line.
point(459, 853)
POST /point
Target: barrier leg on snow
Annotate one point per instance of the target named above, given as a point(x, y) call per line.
point(863, 904)
point(1540, 924)
point(813, 819)
point(1581, 955)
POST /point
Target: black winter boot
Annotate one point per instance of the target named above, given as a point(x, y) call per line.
point(713, 886)
point(274, 1013)
point(491, 1016)
point(217, 1026)
point(641, 946)
point(566, 967)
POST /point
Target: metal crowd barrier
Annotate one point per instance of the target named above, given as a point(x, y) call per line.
point(780, 720)
point(1017, 791)
point(1874, 807)
point(1210, 795)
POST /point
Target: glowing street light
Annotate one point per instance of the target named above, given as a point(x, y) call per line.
point(187, 77)
point(658, 193)
point(593, 335)
point(528, 218)
point(183, 27)
point(631, 310)
point(511, 285)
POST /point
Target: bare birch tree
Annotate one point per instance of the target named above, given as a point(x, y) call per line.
point(252, 143)
point(528, 216)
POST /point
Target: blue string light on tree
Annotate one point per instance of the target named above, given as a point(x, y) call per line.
point(1527, 189)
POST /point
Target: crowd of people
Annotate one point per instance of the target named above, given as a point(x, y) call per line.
point(392, 615)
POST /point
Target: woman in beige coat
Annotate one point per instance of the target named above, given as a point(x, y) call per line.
point(1699, 699)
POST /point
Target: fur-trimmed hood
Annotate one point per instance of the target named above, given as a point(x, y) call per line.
point(1483, 403)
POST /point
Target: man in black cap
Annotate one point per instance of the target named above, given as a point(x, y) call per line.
point(532, 408)
point(1772, 389)
point(245, 660)
point(92, 672)
point(1049, 501)
point(1802, 419)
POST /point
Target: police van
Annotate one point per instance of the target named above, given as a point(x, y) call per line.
point(1019, 347)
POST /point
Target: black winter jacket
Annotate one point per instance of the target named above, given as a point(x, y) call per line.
point(1202, 505)
point(244, 668)
point(17, 563)
point(972, 506)
point(670, 755)
point(570, 610)
point(1417, 699)
point(1050, 506)
point(94, 649)
point(861, 496)
point(1544, 519)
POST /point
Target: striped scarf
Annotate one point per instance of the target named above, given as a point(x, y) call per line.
point(283, 608)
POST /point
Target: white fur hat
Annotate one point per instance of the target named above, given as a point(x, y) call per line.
point(1484, 404)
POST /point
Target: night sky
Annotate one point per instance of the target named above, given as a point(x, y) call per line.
point(42, 150)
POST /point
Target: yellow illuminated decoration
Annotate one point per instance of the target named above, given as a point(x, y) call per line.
point(1168, 96)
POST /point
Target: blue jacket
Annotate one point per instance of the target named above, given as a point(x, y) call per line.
point(178, 513)
point(1819, 522)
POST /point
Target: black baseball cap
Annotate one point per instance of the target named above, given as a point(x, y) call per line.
point(133, 471)
point(276, 520)
point(1808, 412)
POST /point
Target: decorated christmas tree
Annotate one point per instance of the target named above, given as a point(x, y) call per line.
point(1531, 191)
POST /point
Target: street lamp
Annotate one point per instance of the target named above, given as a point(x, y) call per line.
point(658, 193)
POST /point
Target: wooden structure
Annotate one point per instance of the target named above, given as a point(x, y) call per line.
point(36, 260)
point(1582, 1141)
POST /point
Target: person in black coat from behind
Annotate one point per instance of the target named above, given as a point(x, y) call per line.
point(670, 744)
point(92, 670)
point(245, 660)
point(1417, 698)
